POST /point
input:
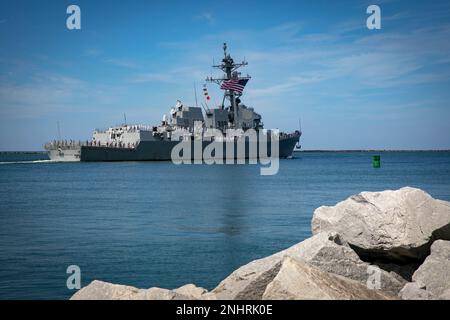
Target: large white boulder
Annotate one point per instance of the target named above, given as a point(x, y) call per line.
point(392, 225)
point(323, 251)
point(297, 280)
point(99, 290)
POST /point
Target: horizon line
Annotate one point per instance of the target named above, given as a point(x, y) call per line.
point(307, 150)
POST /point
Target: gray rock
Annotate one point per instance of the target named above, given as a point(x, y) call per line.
point(99, 290)
point(434, 273)
point(160, 294)
point(297, 280)
point(249, 282)
point(445, 295)
point(404, 271)
point(390, 225)
point(190, 290)
point(432, 278)
point(323, 251)
point(415, 291)
point(326, 251)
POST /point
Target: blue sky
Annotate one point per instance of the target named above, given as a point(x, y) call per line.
point(353, 88)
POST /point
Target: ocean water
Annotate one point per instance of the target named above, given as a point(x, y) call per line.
point(151, 224)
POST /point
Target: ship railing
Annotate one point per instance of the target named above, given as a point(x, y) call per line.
point(63, 144)
point(71, 144)
point(112, 145)
point(284, 135)
point(126, 128)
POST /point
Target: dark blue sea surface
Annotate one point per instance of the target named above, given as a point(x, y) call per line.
point(151, 224)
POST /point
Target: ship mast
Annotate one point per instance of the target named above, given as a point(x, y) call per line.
point(229, 67)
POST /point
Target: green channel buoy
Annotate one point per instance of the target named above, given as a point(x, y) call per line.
point(376, 161)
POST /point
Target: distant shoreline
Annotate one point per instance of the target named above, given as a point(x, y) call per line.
point(23, 152)
point(443, 150)
point(305, 151)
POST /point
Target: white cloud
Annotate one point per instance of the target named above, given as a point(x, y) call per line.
point(150, 77)
point(177, 75)
point(46, 93)
point(92, 52)
point(122, 62)
point(292, 83)
point(206, 16)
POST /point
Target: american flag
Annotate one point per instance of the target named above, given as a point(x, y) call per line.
point(234, 84)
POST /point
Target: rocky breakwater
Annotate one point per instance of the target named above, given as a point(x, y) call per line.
point(374, 245)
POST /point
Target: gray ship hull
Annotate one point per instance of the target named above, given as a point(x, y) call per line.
point(154, 151)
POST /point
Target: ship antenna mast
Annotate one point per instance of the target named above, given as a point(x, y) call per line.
point(59, 130)
point(225, 49)
point(195, 93)
point(229, 67)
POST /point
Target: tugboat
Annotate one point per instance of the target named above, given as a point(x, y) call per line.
point(230, 123)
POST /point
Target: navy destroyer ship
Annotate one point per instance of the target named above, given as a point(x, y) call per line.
point(189, 124)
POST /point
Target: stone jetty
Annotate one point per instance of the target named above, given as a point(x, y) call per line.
point(387, 245)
